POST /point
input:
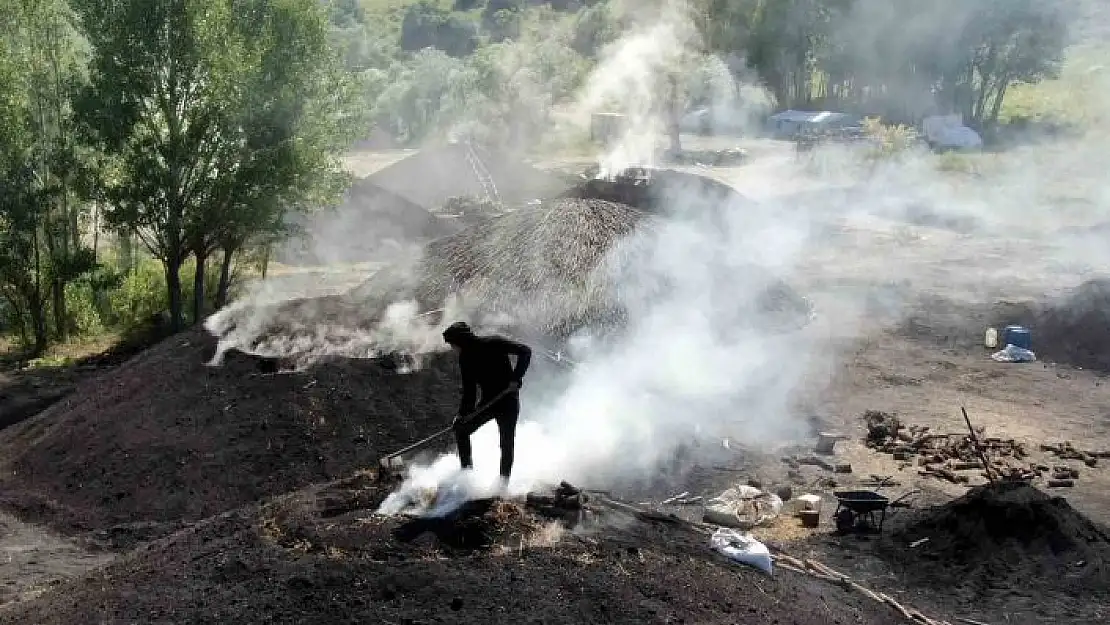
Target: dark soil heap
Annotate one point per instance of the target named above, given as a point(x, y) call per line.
point(1076, 330)
point(1006, 533)
point(165, 438)
point(321, 556)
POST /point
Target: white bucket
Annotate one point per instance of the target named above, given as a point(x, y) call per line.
point(990, 339)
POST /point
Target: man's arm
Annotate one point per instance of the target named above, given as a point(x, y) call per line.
point(523, 355)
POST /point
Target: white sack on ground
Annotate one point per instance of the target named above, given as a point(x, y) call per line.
point(742, 548)
point(744, 507)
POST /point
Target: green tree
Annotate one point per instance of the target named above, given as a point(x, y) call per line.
point(43, 56)
point(208, 107)
point(427, 25)
point(429, 93)
point(1006, 42)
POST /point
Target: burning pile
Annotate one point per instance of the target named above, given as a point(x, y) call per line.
point(542, 265)
point(550, 268)
point(1007, 530)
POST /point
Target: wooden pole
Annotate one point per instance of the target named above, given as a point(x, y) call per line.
point(978, 447)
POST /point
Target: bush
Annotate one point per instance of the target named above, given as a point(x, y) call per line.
point(85, 308)
point(889, 141)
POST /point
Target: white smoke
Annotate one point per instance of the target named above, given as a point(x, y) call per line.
point(699, 359)
point(697, 364)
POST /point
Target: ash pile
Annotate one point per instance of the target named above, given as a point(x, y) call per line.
point(1076, 330)
point(1006, 534)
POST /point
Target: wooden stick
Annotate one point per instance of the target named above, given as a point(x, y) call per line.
point(978, 447)
point(388, 460)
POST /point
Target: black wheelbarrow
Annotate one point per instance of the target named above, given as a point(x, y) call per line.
point(860, 510)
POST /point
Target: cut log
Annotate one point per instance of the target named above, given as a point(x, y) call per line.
point(964, 466)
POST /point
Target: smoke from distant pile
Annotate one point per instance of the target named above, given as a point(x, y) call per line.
point(702, 355)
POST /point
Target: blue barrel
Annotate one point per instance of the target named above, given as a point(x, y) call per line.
point(1018, 336)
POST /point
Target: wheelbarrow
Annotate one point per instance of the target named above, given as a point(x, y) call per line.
point(862, 509)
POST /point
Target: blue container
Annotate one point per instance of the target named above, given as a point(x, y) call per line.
point(1018, 336)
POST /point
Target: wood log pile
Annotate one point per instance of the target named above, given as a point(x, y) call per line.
point(947, 455)
point(950, 455)
point(1067, 451)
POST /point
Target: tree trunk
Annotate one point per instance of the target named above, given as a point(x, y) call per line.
point(198, 286)
point(126, 252)
point(173, 289)
point(225, 278)
point(96, 231)
point(58, 294)
point(996, 108)
point(38, 325)
point(674, 117)
point(266, 259)
point(36, 303)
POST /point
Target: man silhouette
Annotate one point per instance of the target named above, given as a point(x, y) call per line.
point(485, 366)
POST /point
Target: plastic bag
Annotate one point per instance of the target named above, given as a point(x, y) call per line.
point(742, 548)
point(1013, 353)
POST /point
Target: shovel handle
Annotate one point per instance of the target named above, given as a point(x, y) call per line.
point(417, 445)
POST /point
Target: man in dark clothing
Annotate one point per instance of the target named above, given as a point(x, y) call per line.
point(484, 365)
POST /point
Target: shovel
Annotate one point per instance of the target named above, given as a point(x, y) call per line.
point(396, 459)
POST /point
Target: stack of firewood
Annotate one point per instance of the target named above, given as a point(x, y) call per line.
point(1067, 451)
point(945, 455)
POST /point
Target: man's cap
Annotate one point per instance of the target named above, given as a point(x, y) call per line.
point(456, 332)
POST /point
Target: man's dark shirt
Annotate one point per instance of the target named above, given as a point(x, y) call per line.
point(484, 364)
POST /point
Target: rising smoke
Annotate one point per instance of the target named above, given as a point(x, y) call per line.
point(699, 361)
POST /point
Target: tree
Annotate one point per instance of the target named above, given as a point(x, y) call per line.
point(1007, 42)
point(502, 19)
point(206, 106)
point(427, 25)
point(430, 93)
point(43, 58)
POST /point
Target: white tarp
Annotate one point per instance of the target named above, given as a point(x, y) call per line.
point(742, 506)
point(742, 548)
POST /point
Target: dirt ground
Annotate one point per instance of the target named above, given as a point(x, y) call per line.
point(904, 296)
point(34, 560)
point(320, 556)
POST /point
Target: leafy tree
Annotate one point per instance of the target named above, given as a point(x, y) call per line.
point(427, 25)
point(43, 59)
point(501, 19)
point(430, 93)
point(208, 107)
point(1007, 42)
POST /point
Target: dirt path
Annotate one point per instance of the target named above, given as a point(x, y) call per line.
point(32, 560)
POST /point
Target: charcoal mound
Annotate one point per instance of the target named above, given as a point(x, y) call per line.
point(664, 192)
point(552, 268)
point(165, 437)
point(1076, 330)
point(1006, 531)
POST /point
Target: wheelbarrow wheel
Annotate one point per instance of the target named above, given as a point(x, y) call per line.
point(845, 520)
